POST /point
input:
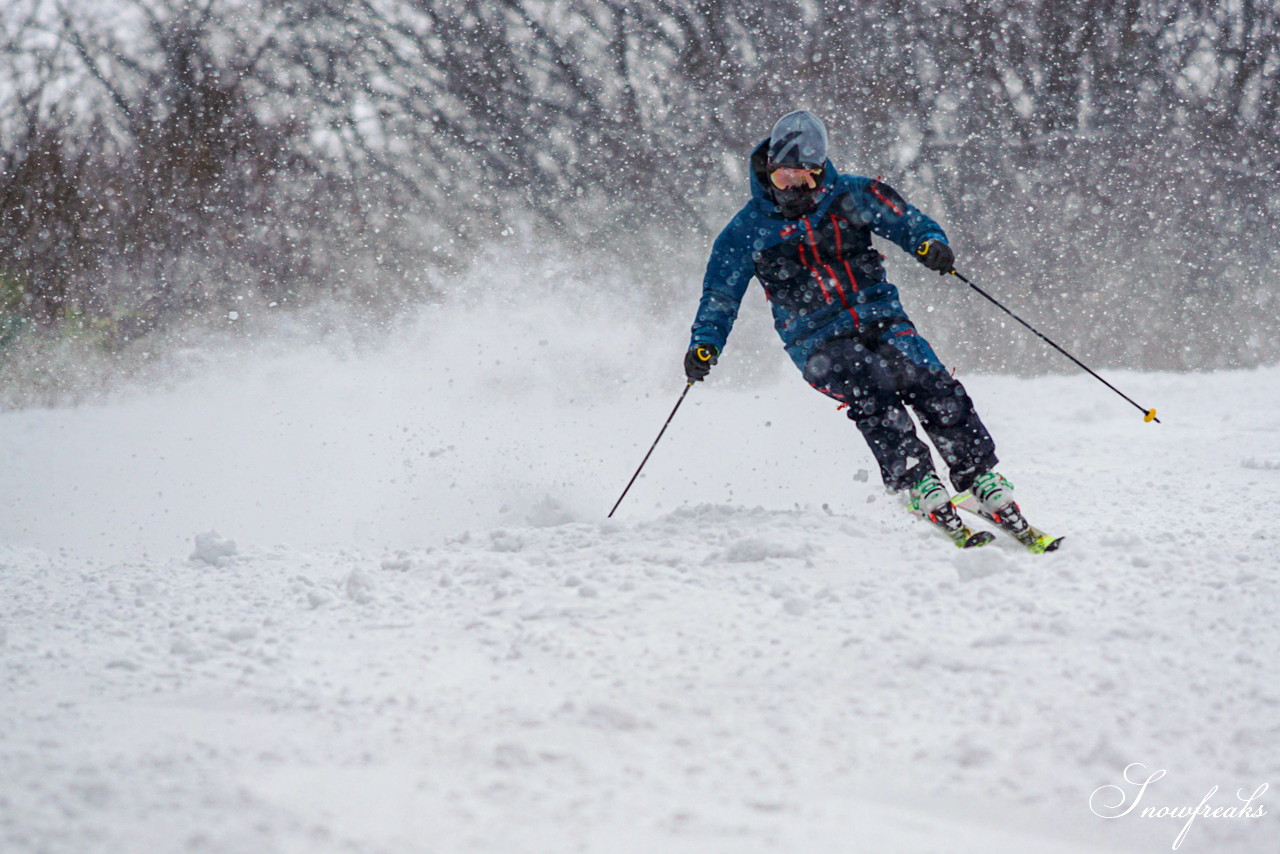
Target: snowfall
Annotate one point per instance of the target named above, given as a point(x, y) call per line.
point(345, 596)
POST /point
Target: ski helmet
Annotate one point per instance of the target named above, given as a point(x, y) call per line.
point(799, 139)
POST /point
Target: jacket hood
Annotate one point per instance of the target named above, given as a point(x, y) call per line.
point(762, 198)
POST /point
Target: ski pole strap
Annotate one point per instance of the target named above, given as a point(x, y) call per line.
point(1149, 415)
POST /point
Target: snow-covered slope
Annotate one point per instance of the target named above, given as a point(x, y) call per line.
point(427, 638)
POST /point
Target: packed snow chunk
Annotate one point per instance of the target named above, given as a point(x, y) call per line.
point(752, 550)
point(214, 549)
point(968, 754)
point(512, 755)
point(402, 562)
point(506, 541)
point(358, 587)
point(977, 564)
point(188, 650)
point(240, 634)
point(318, 598)
point(548, 512)
point(609, 717)
point(796, 606)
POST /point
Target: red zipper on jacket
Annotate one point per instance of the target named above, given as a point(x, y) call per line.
point(813, 243)
point(813, 271)
point(853, 281)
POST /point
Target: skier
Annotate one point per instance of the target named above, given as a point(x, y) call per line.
point(806, 235)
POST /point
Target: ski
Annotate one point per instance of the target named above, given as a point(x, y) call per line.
point(1012, 522)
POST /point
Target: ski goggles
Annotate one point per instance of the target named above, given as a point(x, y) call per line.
point(789, 178)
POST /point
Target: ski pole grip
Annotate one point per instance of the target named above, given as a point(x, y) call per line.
point(923, 249)
point(704, 354)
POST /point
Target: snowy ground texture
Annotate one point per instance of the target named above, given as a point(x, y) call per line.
point(453, 651)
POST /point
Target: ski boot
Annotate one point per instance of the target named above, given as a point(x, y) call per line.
point(929, 499)
point(991, 497)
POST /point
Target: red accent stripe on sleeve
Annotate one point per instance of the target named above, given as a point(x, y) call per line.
point(875, 191)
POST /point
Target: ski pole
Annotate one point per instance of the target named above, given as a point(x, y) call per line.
point(1150, 414)
point(688, 386)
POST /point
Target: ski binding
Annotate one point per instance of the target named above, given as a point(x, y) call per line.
point(1010, 520)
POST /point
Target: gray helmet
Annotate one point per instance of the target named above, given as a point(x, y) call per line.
point(799, 139)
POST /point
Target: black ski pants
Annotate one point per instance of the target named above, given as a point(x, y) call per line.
point(880, 370)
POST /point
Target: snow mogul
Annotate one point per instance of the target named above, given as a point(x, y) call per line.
point(806, 235)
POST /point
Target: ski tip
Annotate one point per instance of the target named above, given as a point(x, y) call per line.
point(979, 538)
point(1046, 544)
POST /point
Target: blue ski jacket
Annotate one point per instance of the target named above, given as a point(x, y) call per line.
point(820, 273)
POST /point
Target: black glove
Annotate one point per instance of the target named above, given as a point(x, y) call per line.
point(936, 255)
point(698, 362)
